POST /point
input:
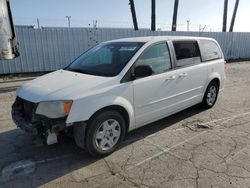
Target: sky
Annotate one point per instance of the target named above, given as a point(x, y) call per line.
point(205, 14)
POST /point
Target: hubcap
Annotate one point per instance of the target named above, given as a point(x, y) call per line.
point(108, 134)
point(211, 95)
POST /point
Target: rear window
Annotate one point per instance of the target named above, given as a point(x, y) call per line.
point(187, 53)
point(209, 50)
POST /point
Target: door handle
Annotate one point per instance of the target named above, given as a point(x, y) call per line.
point(183, 74)
point(171, 78)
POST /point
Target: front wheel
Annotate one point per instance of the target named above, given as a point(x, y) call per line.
point(104, 133)
point(211, 95)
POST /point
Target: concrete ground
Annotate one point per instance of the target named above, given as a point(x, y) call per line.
point(194, 148)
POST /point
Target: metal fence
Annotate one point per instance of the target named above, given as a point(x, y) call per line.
point(49, 49)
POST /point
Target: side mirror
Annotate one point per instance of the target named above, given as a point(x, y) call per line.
point(143, 71)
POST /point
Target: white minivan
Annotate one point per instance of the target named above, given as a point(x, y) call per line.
point(118, 86)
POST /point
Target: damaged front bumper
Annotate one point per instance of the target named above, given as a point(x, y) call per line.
point(23, 124)
point(24, 116)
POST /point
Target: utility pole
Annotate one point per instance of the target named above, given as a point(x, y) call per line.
point(204, 28)
point(152, 15)
point(201, 29)
point(132, 7)
point(234, 15)
point(38, 23)
point(188, 21)
point(95, 24)
point(68, 17)
point(176, 4)
point(224, 26)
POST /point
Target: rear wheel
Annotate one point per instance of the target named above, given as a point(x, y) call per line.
point(211, 95)
point(104, 133)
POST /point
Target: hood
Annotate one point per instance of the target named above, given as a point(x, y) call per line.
point(62, 85)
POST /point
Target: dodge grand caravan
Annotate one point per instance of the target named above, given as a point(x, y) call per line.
point(118, 86)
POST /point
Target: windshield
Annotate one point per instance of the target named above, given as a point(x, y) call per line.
point(106, 59)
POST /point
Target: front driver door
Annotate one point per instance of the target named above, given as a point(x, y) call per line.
point(151, 93)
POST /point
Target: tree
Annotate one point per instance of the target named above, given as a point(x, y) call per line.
point(224, 26)
point(174, 26)
point(152, 15)
point(234, 15)
point(132, 7)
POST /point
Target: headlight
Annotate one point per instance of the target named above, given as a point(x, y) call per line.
point(54, 109)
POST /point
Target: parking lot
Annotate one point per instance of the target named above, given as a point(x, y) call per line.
point(194, 148)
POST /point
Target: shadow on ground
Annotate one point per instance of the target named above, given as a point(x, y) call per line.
point(16, 145)
point(8, 89)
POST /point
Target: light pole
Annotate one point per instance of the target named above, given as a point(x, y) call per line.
point(224, 26)
point(188, 21)
point(234, 15)
point(132, 7)
point(38, 23)
point(152, 15)
point(68, 17)
point(176, 4)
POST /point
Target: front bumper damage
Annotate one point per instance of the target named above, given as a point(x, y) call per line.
point(24, 116)
point(25, 125)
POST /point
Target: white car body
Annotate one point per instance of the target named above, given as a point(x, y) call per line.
point(170, 92)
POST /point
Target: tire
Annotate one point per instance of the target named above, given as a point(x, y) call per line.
point(105, 131)
point(79, 134)
point(211, 95)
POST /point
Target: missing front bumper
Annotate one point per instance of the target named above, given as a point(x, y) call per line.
point(25, 125)
point(23, 114)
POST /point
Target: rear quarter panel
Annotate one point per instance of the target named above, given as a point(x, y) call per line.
point(216, 69)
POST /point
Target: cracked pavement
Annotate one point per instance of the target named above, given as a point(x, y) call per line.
point(194, 148)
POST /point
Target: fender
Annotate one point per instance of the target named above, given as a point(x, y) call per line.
point(83, 109)
point(211, 77)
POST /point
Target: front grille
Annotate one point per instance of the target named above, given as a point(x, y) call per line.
point(26, 108)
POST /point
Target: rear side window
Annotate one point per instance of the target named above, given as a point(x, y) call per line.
point(187, 53)
point(209, 50)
